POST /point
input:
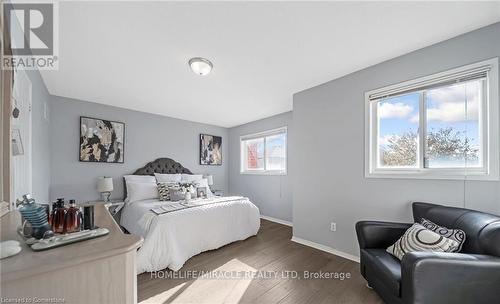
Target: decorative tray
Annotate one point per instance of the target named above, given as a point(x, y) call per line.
point(64, 239)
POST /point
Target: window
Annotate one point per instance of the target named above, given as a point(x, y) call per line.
point(264, 153)
point(440, 126)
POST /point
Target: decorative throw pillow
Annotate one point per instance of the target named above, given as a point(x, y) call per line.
point(457, 235)
point(175, 193)
point(163, 190)
point(419, 238)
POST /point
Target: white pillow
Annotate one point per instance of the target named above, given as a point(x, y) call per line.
point(188, 178)
point(145, 179)
point(140, 179)
point(203, 183)
point(141, 191)
point(167, 178)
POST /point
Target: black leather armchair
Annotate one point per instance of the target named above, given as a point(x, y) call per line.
point(471, 276)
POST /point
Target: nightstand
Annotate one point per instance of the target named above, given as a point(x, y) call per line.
point(114, 208)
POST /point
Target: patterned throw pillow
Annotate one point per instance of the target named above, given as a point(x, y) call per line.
point(163, 190)
point(455, 234)
point(419, 238)
point(176, 194)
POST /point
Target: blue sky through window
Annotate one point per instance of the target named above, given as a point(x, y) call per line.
point(275, 141)
point(398, 115)
point(456, 107)
point(275, 150)
point(445, 110)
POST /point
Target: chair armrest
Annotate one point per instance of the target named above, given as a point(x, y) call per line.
point(436, 277)
point(373, 234)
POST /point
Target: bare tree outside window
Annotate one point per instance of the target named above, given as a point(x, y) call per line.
point(400, 151)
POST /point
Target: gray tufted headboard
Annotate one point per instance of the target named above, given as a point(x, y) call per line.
point(160, 165)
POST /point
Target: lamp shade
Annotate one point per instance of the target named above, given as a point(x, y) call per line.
point(210, 179)
point(105, 184)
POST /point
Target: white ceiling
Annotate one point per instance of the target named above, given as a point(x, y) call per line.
point(134, 54)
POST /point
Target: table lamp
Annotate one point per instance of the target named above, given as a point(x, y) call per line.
point(105, 187)
point(210, 180)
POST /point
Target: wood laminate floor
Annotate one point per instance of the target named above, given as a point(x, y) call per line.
point(261, 269)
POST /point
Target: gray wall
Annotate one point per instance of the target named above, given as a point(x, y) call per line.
point(271, 193)
point(147, 137)
point(328, 146)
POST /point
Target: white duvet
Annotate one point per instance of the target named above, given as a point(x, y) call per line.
point(172, 238)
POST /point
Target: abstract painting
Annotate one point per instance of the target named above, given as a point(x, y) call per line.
point(210, 150)
point(101, 140)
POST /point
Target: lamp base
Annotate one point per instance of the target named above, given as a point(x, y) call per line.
point(105, 196)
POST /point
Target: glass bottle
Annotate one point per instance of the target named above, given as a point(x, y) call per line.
point(52, 211)
point(73, 218)
point(58, 216)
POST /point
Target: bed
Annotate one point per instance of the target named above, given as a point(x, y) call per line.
point(172, 238)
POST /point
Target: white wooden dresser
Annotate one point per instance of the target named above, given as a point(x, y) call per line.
point(102, 270)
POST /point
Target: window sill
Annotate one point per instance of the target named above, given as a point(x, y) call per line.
point(263, 173)
point(473, 176)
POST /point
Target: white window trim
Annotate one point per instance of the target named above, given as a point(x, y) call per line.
point(264, 134)
point(490, 133)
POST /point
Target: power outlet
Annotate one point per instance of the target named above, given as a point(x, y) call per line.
point(333, 226)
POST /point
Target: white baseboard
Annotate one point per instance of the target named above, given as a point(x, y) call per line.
point(272, 219)
point(325, 249)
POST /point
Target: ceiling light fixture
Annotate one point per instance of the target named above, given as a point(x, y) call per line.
point(200, 66)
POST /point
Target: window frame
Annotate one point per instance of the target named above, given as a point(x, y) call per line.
point(489, 124)
point(263, 135)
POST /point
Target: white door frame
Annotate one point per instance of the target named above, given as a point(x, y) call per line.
point(22, 89)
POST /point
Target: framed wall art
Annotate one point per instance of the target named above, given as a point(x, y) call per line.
point(101, 141)
point(210, 150)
